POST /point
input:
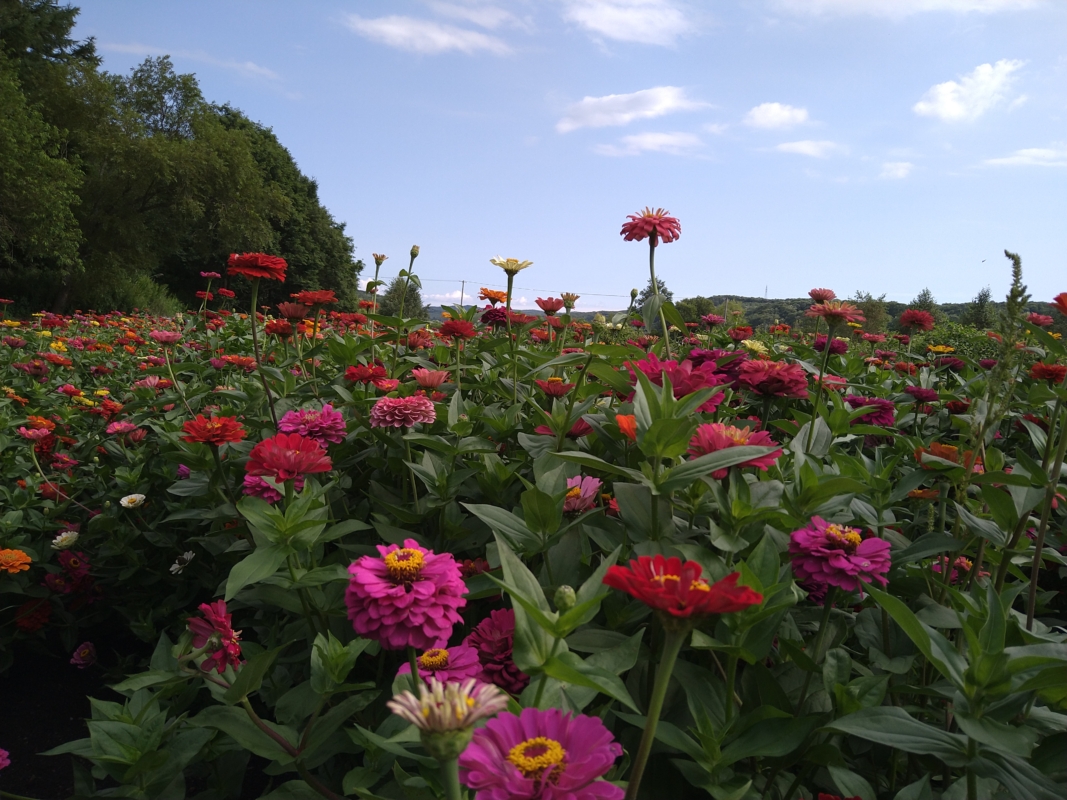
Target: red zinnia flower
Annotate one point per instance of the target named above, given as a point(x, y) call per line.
point(279, 327)
point(774, 379)
point(1060, 301)
point(287, 456)
point(671, 587)
point(459, 329)
point(216, 631)
point(714, 436)
point(318, 297)
point(362, 373)
point(257, 265)
point(224, 292)
point(913, 318)
point(658, 224)
point(740, 333)
point(550, 306)
point(293, 311)
point(213, 430)
point(1053, 373)
point(554, 387)
point(836, 312)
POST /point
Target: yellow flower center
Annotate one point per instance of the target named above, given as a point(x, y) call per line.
point(575, 493)
point(536, 755)
point(848, 538)
point(404, 565)
point(434, 659)
point(737, 435)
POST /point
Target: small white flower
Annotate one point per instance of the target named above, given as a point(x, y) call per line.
point(182, 562)
point(65, 540)
point(132, 501)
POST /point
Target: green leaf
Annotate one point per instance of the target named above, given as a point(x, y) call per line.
point(769, 738)
point(235, 723)
point(507, 526)
point(985, 528)
point(764, 561)
point(666, 438)
point(920, 790)
point(693, 470)
point(894, 727)
point(850, 784)
point(543, 512)
point(263, 562)
point(570, 668)
point(938, 650)
point(635, 509)
point(592, 462)
point(927, 545)
point(251, 675)
point(533, 644)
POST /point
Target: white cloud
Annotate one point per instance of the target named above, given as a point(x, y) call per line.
point(1032, 157)
point(716, 127)
point(895, 170)
point(674, 144)
point(970, 97)
point(424, 36)
point(775, 115)
point(249, 69)
point(620, 109)
point(808, 148)
point(483, 15)
point(645, 21)
point(903, 8)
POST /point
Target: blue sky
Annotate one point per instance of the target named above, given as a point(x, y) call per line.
point(882, 145)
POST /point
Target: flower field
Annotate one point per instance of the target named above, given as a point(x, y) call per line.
point(523, 556)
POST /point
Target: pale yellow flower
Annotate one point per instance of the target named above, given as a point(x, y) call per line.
point(754, 346)
point(512, 266)
point(59, 347)
point(102, 392)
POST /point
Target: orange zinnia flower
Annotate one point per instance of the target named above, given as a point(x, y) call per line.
point(627, 425)
point(494, 296)
point(14, 561)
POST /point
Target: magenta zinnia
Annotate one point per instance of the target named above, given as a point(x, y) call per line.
point(581, 494)
point(493, 638)
point(658, 224)
point(324, 425)
point(401, 412)
point(447, 664)
point(884, 416)
point(715, 436)
point(216, 634)
point(541, 755)
point(685, 378)
point(409, 597)
point(828, 554)
point(774, 379)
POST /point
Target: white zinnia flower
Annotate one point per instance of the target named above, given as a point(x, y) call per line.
point(449, 706)
point(65, 540)
point(132, 501)
point(182, 562)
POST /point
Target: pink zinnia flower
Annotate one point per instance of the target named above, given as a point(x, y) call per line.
point(837, 555)
point(255, 486)
point(837, 346)
point(822, 295)
point(581, 494)
point(84, 655)
point(685, 378)
point(121, 427)
point(549, 305)
point(658, 224)
point(325, 426)
point(35, 434)
point(541, 755)
point(401, 412)
point(429, 378)
point(447, 664)
point(409, 596)
point(774, 379)
point(914, 318)
point(711, 320)
point(921, 394)
point(884, 417)
point(1040, 320)
point(5, 758)
point(494, 638)
point(836, 312)
point(715, 436)
point(166, 337)
point(215, 630)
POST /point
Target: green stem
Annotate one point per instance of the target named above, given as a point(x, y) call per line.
point(824, 624)
point(672, 645)
point(177, 386)
point(511, 344)
point(1050, 498)
point(222, 476)
point(731, 679)
point(655, 288)
point(459, 367)
point(255, 348)
point(819, 388)
point(972, 778)
point(544, 676)
point(413, 661)
point(450, 778)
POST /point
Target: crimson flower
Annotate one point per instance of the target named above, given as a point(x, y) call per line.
point(364, 373)
point(550, 305)
point(578, 430)
point(711, 320)
point(674, 588)
point(318, 297)
point(921, 394)
point(213, 430)
point(774, 379)
point(459, 329)
point(1060, 301)
point(257, 265)
point(287, 456)
point(1053, 373)
point(554, 387)
point(685, 377)
point(216, 633)
point(916, 319)
point(229, 293)
point(657, 224)
point(740, 332)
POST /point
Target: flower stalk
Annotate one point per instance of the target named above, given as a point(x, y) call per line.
point(672, 645)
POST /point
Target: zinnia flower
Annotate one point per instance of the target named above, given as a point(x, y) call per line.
point(493, 296)
point(947, 452)
point(1053, 373)
point(1040, 320)
point(443, 706)
point(429, 378)
point(5, 760)
point(215, 632)
point(1060, 302)
point(365, 373)
point(921, 394)
point(838, 346)
point(293, 311)
point(458, 329)
point(715, 436)
point(166, 337)
point(685, 377)
point(674, 588)
point(835, 312)
point(287, 456)
point(550, 305)
point(401, 412)
point(541, 755)
point(916, 319)
point(447, 664)
point(84, 655)
point(318, 297)
point(822, 295)
point(740, 332)
point(554, 387)
point(409, 597)
point(581, 494)
point(826, 553)
point(511, 266)
point(255, 486)
point(884, 416)
point(774, 379)
point(65, 539)
point(658, 224)
point(627, 426)
point(324, 425)
point(494, 638)
point(14, 561)
point(711, 320)
point(257, 265)
point(132, 501)
point(213, 430)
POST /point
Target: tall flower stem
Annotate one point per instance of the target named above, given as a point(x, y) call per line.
point(459, 366)
point(824, 624)
point(177, 386)
point(511, 344)
point(652, 240)
point(222, 476)
point(255, 348)
point(819, 389)
point(450, 778)
point(413, 660)
point(672, 645)
point(1050, 498)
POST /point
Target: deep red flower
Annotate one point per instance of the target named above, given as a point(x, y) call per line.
point(229, 293)
point(740, 332)
point(685, 378)
point(257, 265)
point(279, 327)
point(554, 387)
point(915, 319)
point(658, 224)
point(362, 373)
point(287, 456)
point(293, 311)
point(550, 305)
point(958, 406)
point(1053, 373)
point(213, 430)
point(670, 586)
point(459, 329)
point(578, 430)
point(318, 297)
point(33, 615)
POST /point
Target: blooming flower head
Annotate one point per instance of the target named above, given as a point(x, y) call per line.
point(257, 265)
point(365, 373)
point(1053, 373)
point(822, 295)
point(65, 539)
point(549, 305)
point(493, 639)
point(458, 329)
point(75, 563)
point(401, 412)
point(916, 319)
point(287, 456)
point(324, 425)
point(884, 416)
point(754, 346)
point(429, 378)
point(493, 296)
point(409, 596)
point(658, 224)
point(627, 425)
point(774, 379)
point(448, 706)
point(5, 760)
point(685, 378)
point(14, 561)
point(34, 434)
point(921, 394)
point(674, 588)
point(166, 337)
point(962, 564)
point(511, 266)
point(569, 299)
point(581, 494)
point(447, 664)
point(255, 486)
point(213, 430)
point(554, 387)
point(293, 312)
point(712, 320)
point(828, 554)
point(210, 275)
point(714, 436)
point(215, 632)
point(838, 346)
point(1060, 302)
point(740, 333)
point(1040, 320)
point(541, 755)
point(181, 562)
point(132, 501)
point(947, 452)
point(836, 312)
point(84, 655)
point(318, 297)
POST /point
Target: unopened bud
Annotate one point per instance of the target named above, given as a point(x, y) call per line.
point(414, 251)
point(565, 598)
point(446, 745)
point(633, 294)
point(107, 504)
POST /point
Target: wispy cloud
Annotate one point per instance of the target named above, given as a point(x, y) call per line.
point(808, 147)
point(249, 69)
point(674, 144)
point(1032, 157)
point(482, 14)
point(424, 36)
point(986, 86)
point(896, 170)
point(644, 21)
point(621, 109)
point(775, 115)
point(904, 8)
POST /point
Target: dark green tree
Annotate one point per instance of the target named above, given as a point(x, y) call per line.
point(874, 311)
point(980, 312)
point(648, 291)
point(389, 302)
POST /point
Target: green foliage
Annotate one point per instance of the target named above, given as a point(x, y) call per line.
point(400, 288)
point(666, 294)
point(980, 312)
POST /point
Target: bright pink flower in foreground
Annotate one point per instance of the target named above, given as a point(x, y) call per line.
point(541, 755)
point(581, 494)
point(672, 587)
point(715, 436)
point(774, 379)
point(324, 425)
point(401, 412)
point(287, 456)
point(685, 378)
point(826, 553)
point(409, 596)
point(215, 629)
point(493, 638)
point(429, 378)
point(658, 224)
point(447, 664)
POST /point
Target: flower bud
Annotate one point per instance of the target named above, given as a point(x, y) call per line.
point(414, 251)
point(633, 294)
point(107, 504)
point(564, 598)
point(446, 745)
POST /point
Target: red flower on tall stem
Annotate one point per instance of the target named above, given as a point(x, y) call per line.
point(917, 319)
point(257, 265)
point(835, 312)
point(674, 588)
point(287, 456)
point(318, 297)
point(458, 329)
point(822, 295)
point(213, 430)
point(549, 305)
point(658, 224)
